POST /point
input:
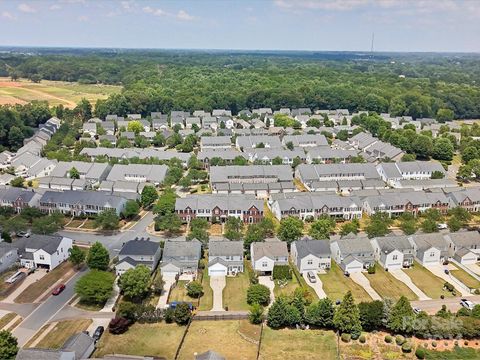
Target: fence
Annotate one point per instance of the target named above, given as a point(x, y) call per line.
point(217, 316)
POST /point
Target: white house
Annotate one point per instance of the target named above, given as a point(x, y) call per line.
point(46, 251)
point(430, 249)
point(265, 255)
point(352, 254)
point(311, 255)
point(225, 258)
point(393, 252)
point(138, 252)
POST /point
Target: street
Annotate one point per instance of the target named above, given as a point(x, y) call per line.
point(453, 304)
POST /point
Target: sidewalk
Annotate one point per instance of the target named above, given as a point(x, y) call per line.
point(110, 304)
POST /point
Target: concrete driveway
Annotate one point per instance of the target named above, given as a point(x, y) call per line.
point(474, 268)
point(162, 301)
point(403, 277)
point(439, 270)
point(317, 286)
point(362, 280)
point(265, 280)
point(29, 280)
point(217, 283)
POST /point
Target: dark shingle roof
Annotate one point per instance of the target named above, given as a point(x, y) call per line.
point(139, 247)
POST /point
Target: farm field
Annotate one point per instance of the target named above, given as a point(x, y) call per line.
point(68, 94)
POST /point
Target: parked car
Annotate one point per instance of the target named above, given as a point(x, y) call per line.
point(23, 234)
point(417, 310)
point(174, 304)
point(58, 289)
point(311, 277)
point(442, 226)
point(98, 333)
point(467, 304)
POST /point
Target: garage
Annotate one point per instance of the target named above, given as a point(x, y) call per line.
point(354, 266)
point(465, 257)
point(217, 269)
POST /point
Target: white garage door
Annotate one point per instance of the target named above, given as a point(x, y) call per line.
point(213, 272)
point(354, 268)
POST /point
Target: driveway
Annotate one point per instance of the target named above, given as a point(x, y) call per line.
point(317, 286)
point(265, 280)
point(403, 277)
point(362, 280)
point(169, 281)
point(439, 270)
point(474, 268)
point(217, 283)
point(30, 279)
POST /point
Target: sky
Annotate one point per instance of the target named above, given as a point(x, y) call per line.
point(398, 25)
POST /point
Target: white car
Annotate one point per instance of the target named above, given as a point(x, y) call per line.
point(467, 304)
point(417, 310)
point(311, 277)
point(442, 226)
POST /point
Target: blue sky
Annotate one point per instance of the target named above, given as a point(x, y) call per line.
point(399, 25)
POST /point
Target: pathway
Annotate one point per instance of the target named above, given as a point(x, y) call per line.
point(217, 283)
point(362, 280)
point(162, 301)
point(110, 304)
point(265, 280)
point(439, 270)
point(403, 277)
point(317, 286)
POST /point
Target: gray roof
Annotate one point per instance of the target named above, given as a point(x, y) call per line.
point(328, 153)
point(97, 198)
point(224, 202)
point(139, 247)
point(40, 354)
point(237, 174)
point(388, 244)
point(426, 241)
point(225, 248)
point(153, 173)
point(12, 194)
point(48, 243)
point(209, 355)
point(80, 344)
point(317, 172)
point(352, 247)
point(465, 239)
point(299, 140)
point(215, 140)
point(252, 141)
point(269, 249)
point(226, 154)
point(316, 201)
point(306, 246)
point(182, 249)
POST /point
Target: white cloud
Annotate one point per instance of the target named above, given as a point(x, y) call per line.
point(8, 15)
point(334, 5)
point(154, 11)
point(184, 16)
point(55, 7)
point(26, 8)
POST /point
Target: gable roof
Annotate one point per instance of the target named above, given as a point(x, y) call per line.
point(307, 246)
point(269, 249)
point(139, 247)
point(225, 248)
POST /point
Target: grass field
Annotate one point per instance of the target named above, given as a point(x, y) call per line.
point(286, 290)
point(222, 337)
point(206, 301)
point(158, 339)
point(62, 331)
point(55, 92)
point(336, 284)
point(389, 287)
point(291, 344)
point(6, 319)
point(179, 293)
point(466, 278)
point(426, 281)
point(235, 292)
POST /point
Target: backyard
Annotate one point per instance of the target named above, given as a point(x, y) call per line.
point(235, 292)
point(336, 284)
point(291, 344)
point(206, 301)
point(61, 332)
point(426, 281)
point(234, 339)
point(179, 293)
point(387, 286)
point(287, 288)
point(466, 278)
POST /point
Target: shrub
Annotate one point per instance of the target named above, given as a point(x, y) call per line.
point(258, 294)
point(282, 272)
point(371, 269)
point(355, 335)
point(362, 339)
point(434, 344)
point(182, 314)
point(194, 289)
point(388, 339)
point(346, 337)
point(455, 343)
point(465, 343)
point(406, 347)
point(448, 286)
point(118, 325)
point(399, 339)
point(256, 315)
point(169, 315)
point(127, 310)
point(420, 353)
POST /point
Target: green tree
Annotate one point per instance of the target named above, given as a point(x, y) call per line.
point(320, 313)
point(135, 126)
point(135, 282)
point(95, 287)
point(444, 115)
point(182, 314)
point(49, 224)
point(291, 229)
point(74, 174)
point(422, 146)
point(165, 203)
point(131, 209)
point(170, 223)
point(258, 294)
point(233, 228)
point(437, 175)
point(372, 314)
point(185, 182)
point(17, 182)
point(98, 257)
point(378, 225)
point(77, 256)
point(194, 289)
point(256, 314)
point(429, 226)
point(408, 223)
point(347, 316)
point(443, 149)
point(8, 345)
point(277, 314)
point(322, 228)
point(350, 227)
point(107, 219)
point(149, 196)
point(198, 230)
point(401, 317)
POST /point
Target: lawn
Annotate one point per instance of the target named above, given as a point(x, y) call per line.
point(62, 331)
point(158, 339)
point(291, 344)
point(427, 282)
point(222, 337)
point(235, 292)
point(336, 284)
point(179, 293)
point(206, 301)
point(466, 278)
point(6, 319)
point(457, 353)
point(31, 293)
point(389, 287)
point(287, 289)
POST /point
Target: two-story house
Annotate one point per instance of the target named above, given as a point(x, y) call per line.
point(430, 249)
point(225, 258)
point(45, 251)
point(311, 255)
point(393, 252)
point(181, 257)
point(138, 252)
point(265, 255)
point(352, 255)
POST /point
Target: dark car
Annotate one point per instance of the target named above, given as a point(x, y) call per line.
point(174, 304)
point(98, 333)
point(58, 289)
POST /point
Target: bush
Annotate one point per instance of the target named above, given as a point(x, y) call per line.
point(399, 339)
point(118, 325)
point(465, 343)
point(346, 337)
point(388, 339)
point(127, 310)
point(169, 315)
point(258, 294)
point(371, 269)
point(449, 286)
point(355, 335)
point(362, 339)
point(182, 314)
point(434, 344)
point(194, 289)
point(420, 353)
point(282, 272)
point(256, 315)
point(406, 347)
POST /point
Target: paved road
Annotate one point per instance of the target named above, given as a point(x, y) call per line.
point(453, 304)
point(46, 311)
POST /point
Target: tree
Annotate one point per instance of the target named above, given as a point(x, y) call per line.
point(182, 314)
point(401, 316)
point(185, 182)
point(165, 203)
point(74, 174)
point(77, 256)
point(291, 229)
point(131, 209)
point(378, 225)
point(454, 224)
point(8, 345)
point(95, 287)
point(371, 315)
point(98, 257)
point(437, 175)
point(277, 314)
point(158, 283)
point(290, 145)
point(149, 196)
point(194, 289)
point(470, 153)
point(350, 227)
point(107, 219)
point(320, 313)
point(444, 115)
point(322, 228)
point(408, 157)
point(49, 224)
point(258, 294)
point(135, 282)
point(408, 223)
point(233, 228)
point(198, 230)
point(429, 226)
point(17, 182)
point(347, 316)
point(256, 314)
point(118, 325)
point(422, 146)
point(170, 223)
point(240, 161)
point(135, 126)
point(443, 149)
point(123, 143)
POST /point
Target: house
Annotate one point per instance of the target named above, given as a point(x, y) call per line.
point(46, 251)
point(154, 174)
point(226, 155)
point(306, 140)
point(215, 142)
point(269, 156)
point(181, 257)
point(410, 170)
point(466, 198)
point(30, 166)
point(220, 207)
point(138, 252)
point(393, 252)
point(250, 142)
point(5, 179)
point(430, 249)
point(160, 123)
point(352, 255)
point(18, 198)
point(8, 256)
point(201, 113)
point(193, 120)
point(262, 111)
point(93, 173)
point(147, 153)
point(108, 126)
point(464, 246)
point(311, 255)
point(301, 111)
point(265, 255)
point(225, 257)
point(90, 129)
point(221, 112)
point(374, 148)
point(326, 155)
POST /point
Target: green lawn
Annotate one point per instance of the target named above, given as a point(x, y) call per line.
point(292, 344)
point(158, 339)
point(466, 278)
point(235, 292)
point(389, 287)
point(179, 293)
point(457, 353)
point(427, 282)
point(336, 284)
point(287, 289)
point(206, 301)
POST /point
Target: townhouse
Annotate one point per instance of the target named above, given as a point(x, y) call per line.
point(91, 172)
point(215, 142)
point(18, 199)
point(393, 252)
point(142, 154)
point(154, 174)
point(430, 249)
point(45, 251)
point(269, 156)
point(326, 155)
point(306, 140)
point(464, 246)
point(249, 142)
point(466, 198)
point(392, 173)
point(227, 155)
point(374, 148)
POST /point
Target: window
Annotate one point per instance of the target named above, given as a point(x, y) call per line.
point(432, 254)
point(42, 257)
point(264, 264)
point(310, 262)
point(395, 257)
